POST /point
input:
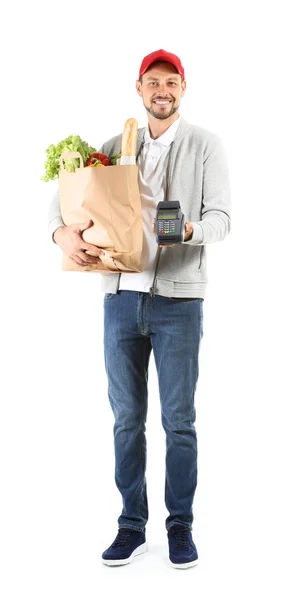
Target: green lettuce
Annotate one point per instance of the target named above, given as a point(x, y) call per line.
point(73, 143)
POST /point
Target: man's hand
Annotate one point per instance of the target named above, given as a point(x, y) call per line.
point(69, 238)
point(187, 231)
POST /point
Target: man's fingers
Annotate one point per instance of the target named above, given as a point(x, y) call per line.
point(94, 249)
point(87, 258)
point(79, 261)
point(82, 226)
point(84, 263)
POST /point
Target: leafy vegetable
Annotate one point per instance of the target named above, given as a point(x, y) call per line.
point(113, 158)
point(73, 143)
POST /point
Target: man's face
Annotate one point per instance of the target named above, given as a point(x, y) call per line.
point(161, 82)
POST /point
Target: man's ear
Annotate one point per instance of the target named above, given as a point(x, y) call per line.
point(184, 85)
point(138, 88)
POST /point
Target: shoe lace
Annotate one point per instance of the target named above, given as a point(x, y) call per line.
point(180, 537)
point(121, 537)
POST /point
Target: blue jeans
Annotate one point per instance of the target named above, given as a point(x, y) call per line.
point(174, 330)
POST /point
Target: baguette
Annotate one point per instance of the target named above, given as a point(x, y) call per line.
point(129, 138)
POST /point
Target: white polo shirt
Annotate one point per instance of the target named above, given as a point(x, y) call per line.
point(152, 166)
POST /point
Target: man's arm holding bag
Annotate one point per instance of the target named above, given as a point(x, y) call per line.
point(69, 237)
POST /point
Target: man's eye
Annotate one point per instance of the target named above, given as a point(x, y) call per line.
point(173, 82)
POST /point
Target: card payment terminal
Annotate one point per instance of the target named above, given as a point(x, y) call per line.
point(169, 222)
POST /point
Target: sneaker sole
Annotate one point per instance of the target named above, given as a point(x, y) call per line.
point(139, 550)
point(193, 563)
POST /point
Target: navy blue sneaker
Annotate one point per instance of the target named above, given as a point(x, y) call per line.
point(127, 544)
point(182, 549)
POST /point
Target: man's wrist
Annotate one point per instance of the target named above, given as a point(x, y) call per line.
point(55, 234)
point(196, 238)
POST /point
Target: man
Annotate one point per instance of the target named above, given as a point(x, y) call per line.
point(160, 308)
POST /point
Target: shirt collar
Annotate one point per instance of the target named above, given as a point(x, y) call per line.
point(166, 138)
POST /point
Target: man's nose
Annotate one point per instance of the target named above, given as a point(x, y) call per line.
point(163, 89)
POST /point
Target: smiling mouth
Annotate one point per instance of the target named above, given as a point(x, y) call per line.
point(162, 102)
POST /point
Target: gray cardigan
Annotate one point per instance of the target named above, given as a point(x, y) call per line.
point(198, 177)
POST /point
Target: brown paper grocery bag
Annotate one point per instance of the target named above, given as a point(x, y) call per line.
point(110, 197)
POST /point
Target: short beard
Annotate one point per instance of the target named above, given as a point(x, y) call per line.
point(161, 116)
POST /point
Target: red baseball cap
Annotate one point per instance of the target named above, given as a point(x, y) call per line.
point(161, 55)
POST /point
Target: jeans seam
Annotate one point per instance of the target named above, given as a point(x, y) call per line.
point(142, 410)
point(200, 308)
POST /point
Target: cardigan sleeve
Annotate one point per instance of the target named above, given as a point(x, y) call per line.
point(216, 201)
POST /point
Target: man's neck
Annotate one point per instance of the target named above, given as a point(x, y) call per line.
point(158, 126)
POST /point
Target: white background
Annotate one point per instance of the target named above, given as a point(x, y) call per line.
point(71, 67)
